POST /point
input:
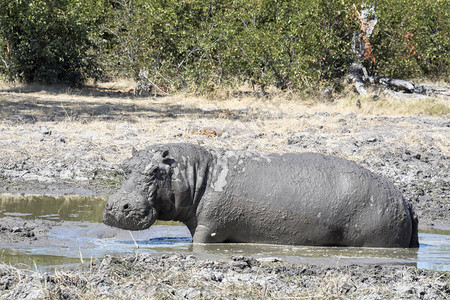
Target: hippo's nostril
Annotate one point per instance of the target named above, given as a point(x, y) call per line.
point(126, 206)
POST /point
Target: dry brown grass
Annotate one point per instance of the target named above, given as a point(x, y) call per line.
point(120, 92)
point(390, 106)
point(108, 120)
point(125, 281)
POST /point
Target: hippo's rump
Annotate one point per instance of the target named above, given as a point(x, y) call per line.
point(320, 198)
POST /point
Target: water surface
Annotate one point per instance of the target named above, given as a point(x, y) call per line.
point(88, 239)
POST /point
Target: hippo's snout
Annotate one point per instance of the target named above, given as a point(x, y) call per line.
point(129, 211)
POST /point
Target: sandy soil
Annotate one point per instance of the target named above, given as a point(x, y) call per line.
point(55, 141)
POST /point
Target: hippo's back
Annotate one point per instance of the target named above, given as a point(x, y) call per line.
point(312, 199)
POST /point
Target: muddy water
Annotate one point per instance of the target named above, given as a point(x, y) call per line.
point(82, 237)
point(68, 208)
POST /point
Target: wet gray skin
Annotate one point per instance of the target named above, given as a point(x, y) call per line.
point(240, 196)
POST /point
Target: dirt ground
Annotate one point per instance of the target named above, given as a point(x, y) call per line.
point(177, 276)
point(72, 142)
point(63, 141)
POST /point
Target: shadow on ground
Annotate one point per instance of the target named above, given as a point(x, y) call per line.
point(24, 107)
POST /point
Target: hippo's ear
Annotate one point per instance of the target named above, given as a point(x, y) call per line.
point(127, 166)
point(165, 153)
point(168, 160)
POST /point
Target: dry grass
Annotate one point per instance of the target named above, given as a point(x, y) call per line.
point(159, 279)
point(120, 92)
point(390, 106)
point(107, 119)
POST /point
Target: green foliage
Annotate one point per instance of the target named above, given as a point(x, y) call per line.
point(45, 40)
point(199, 45)
point(412, 38)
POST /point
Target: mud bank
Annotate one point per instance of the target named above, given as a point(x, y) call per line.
point(14, 230)
point(66, 143)
point(69, 144)
point(176, 276)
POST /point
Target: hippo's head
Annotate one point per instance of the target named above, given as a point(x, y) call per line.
point(146, 191)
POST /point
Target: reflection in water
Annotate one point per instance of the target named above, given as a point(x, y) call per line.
point(68, 208)
point(161, 241)
point(28, 258)
point(91, 239)
point(434, 252)
point(309, 251)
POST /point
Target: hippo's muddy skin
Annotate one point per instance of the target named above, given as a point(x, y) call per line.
point(239, 196)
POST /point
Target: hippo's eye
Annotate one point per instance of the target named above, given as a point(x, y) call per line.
point(151, 170)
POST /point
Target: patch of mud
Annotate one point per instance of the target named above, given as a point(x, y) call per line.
point(179, 276)
point(15, 229)
point(64, 144)
point(80, 150)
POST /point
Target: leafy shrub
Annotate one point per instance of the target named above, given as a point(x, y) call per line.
point(46, 41)
point(199, 45)
point(412, 39)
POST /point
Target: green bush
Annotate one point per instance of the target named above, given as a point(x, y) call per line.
point(199, 45)
point(412, 39)
point(46, 41)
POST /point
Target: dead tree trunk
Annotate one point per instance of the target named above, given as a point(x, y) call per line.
point(362, 50)
point(361, 47)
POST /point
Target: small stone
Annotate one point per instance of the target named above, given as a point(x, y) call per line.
point(46, 131)
point(374, 97)
point(217, 277)
point(268, 259)
point(327, 93)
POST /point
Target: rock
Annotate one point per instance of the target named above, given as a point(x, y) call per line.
point(327, 93)
point(46, 131)
point(189, 293)
point(269, 259)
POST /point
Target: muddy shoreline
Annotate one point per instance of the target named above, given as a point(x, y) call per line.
point(205, 275)
point(177, 276)
point(73, 144)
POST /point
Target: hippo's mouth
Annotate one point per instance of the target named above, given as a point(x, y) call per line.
point(128, 217)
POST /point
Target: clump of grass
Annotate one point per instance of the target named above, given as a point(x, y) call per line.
point(385, 105)
point(176, 276)
point(112, 179)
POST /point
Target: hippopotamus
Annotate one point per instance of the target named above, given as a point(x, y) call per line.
point(247, 197)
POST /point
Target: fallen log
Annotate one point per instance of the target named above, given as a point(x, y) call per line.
point(359, 77)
